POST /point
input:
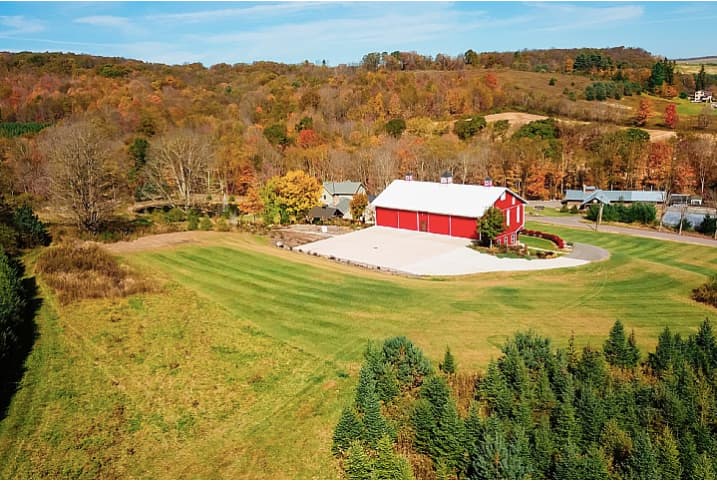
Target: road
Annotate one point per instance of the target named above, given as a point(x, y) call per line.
point(577, 223)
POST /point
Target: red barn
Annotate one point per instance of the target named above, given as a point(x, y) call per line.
point(450, 209)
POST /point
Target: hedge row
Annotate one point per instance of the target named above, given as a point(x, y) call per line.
point(637, 212)
point(559, 242)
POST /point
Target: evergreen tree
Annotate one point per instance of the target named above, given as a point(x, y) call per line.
point(382, 372)
point(30, 230)
point(632, 355)
point(494, 389)
point(643, 461)
point(591, 369)
point(424, 426)
point(365, 389)
point(449, 363)
point(704, 468)
point(702, 349)
point(474, 435)
point(593, 465)
point(688, 454)
point(543, 449)
point(591, 413)
point(567, 465)
point(493, 460)
point(388, 465)
point(617, 444)
point(566, 428)
point(447, 439)
point(347, 430)
point(408, 360)
point(615, 347)
point(668, 349)
point(668, 456)
point(357, 465)
point(12, 305)
point(374, 422)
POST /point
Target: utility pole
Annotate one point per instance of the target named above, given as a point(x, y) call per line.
point(599, 216)
point(682, 217)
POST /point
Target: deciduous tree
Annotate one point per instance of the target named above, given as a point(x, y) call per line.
point(84, 178)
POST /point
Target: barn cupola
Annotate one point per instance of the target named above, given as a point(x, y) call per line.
point(487, 182)
point(447, 177)
point(409, 176)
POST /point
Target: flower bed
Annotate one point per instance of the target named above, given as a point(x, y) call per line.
point(559, 242)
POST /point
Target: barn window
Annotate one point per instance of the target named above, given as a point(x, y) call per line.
point(502, 196)
point(507, 217)
point(512, 238)
point(512, 200)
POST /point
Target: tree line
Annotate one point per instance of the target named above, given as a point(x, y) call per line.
point(604, 412)
point(184, 133)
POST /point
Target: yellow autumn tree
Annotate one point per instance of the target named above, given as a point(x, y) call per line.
point(291, 196)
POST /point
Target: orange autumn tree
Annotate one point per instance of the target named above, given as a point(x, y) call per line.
point(671, 117)
point(643, 112)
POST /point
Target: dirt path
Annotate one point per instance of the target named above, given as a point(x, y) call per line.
point(576, 222)
point(520, 118)
point(158, 241)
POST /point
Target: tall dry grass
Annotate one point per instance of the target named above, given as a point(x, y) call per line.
point(85, 270)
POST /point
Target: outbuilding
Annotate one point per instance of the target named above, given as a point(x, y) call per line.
point(446, 208)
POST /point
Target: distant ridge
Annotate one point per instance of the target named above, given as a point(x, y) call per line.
point(712, 59)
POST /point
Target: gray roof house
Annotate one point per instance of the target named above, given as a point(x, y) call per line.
point(584, 198)
point(338, 195)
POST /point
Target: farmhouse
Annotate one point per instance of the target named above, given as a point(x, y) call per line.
point(586, 196)
point(338, 195)
point(446, 208)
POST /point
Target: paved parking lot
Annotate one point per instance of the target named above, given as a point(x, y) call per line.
point(422, 254)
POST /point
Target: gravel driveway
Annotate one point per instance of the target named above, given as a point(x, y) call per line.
point(426, 254)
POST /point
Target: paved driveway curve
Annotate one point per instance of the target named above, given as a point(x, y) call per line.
point(426, 254)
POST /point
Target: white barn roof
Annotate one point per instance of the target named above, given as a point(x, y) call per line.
point(466, 200)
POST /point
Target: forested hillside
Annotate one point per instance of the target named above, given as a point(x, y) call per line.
point(374, 121)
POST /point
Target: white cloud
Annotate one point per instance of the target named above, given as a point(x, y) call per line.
point(18, 25)
point(574, 17)
point(121, 24)
point(267, 10)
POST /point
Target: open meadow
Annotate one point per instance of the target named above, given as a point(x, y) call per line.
point(239, 366)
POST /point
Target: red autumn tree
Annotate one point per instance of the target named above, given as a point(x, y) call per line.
point(308, 138)
point(671, 117)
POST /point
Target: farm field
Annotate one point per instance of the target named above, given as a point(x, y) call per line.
point(240, 365)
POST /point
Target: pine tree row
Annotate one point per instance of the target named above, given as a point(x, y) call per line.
point(538, 412)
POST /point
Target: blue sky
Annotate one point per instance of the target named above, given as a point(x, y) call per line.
point(341, 32)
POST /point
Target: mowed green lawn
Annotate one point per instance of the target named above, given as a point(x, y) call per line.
point(240, 366)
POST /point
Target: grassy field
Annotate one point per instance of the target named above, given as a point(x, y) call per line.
point(540, 243)
point(240, 366)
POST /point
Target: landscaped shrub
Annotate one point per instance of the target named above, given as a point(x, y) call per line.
point(175, 215)
point(559, 242)
point(708, 225)
point(222, 225)
point(707, 293)
point(205, 224)
point(79, 271)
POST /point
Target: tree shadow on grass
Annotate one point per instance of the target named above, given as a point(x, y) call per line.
point(13, 367)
